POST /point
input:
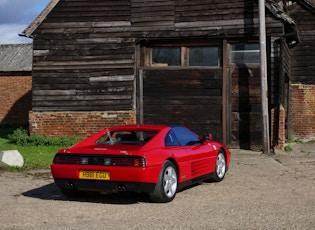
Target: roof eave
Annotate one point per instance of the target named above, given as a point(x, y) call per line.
point(310, 5)
point(28, 32)
point(291, 35)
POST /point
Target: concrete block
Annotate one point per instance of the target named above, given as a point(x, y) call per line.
point(11, 158)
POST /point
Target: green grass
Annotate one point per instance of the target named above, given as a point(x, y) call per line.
point(35, 157)
point(288, 148)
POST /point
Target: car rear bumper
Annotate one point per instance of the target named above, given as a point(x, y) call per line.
point(104, 186)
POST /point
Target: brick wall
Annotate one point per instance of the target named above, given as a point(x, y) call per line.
point(302, 112)
point(278, 130)
point(84, 124)
point(15, 99)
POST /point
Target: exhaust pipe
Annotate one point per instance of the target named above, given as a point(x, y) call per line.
point(121, 188)
point(69, 185)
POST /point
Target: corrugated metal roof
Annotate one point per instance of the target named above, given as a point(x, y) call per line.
point(16, 57)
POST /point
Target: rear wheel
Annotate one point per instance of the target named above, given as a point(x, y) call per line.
point(220, 167)
point(166, 187)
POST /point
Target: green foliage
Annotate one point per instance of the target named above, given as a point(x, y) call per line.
point(20, 136)
point(298, 141)
point(291, 139)
point(288, 148)
point(37, 151)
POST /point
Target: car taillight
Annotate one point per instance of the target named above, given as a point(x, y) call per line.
point(129, 161)
point(57, 160)
point(66, 159)
point(139, 162)
point(78, 159)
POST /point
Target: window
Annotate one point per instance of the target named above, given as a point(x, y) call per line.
point(245, 53)
point(134, 137)
point(203, 56)
point(171, 140)
point(186, 137)
point(168, 56)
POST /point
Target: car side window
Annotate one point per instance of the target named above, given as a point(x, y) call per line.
point(171, 140)
point(186, 137)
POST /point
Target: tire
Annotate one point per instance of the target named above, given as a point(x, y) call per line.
point(166, 187)
point(220, 167)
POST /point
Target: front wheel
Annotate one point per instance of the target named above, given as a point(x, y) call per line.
point(220, 167)
point(166, 187)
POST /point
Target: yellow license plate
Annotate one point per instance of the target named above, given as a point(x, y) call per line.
point(94, 175)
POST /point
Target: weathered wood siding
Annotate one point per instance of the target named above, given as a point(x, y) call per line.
point(198, 18)
point(84, 57)
point(303, 55)
point(152, 18)
point(84, 51)
point(188, 97)
point(301, 113)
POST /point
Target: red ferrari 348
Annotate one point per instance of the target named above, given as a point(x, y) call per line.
point(155, 159)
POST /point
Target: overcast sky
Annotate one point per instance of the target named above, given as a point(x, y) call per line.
point(15, 16)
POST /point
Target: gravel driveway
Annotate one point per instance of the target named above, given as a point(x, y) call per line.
point(258, 192)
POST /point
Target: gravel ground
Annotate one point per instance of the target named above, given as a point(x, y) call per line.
point(258, 192)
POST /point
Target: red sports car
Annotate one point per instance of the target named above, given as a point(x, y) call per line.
point(154, 159)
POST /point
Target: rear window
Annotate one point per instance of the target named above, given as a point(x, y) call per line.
point(133, 137)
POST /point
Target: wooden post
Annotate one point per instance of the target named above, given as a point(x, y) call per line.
point(263, 76)
point(141, 95)
point(225, 94)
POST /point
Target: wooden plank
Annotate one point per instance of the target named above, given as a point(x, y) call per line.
point(185, 93)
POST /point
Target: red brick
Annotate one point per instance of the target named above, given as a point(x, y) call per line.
point(15, 99)
point(302, 112)
point(82, 124)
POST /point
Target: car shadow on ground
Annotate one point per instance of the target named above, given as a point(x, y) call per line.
point(52, 192)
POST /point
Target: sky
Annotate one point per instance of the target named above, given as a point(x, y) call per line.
point(15, 16)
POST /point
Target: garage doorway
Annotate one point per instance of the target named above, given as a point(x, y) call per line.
point(223, 99)
point(182, 85)
point(245, 96)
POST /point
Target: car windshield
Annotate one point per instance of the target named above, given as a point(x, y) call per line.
point(132, 137)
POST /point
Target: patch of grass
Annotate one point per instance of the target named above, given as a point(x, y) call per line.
point(288, 148)
point(36, 154)
point(291, 139)
point(298, 141)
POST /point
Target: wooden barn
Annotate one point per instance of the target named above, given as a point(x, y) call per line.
point(98, 63)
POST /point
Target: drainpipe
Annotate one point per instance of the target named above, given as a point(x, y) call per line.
point(263, 76)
